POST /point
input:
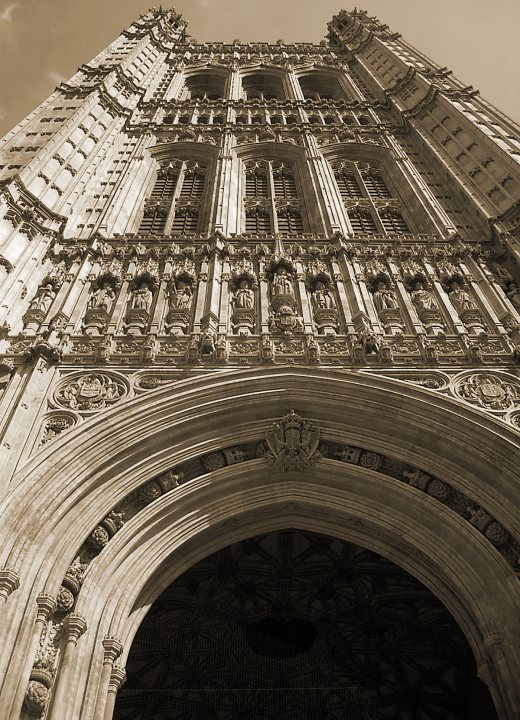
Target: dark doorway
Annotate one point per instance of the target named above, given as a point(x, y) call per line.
point(298, 626)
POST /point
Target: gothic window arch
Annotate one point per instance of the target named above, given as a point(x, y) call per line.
point(175, 203)
point(322, 86)
point(271, 199)
point(369, 202)
point(263, 86)
point(205, 86)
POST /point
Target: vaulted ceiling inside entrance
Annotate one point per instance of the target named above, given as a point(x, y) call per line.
point(296, 625)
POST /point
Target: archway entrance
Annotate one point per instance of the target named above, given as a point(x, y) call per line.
point(296, 625)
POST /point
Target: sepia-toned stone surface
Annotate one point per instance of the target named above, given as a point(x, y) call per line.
point(250, 287)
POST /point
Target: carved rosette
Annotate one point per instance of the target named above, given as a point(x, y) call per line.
point(488, 390)
point(293, 443)
point(91, 392)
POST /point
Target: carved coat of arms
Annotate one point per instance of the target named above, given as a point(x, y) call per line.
point(489, 391)
point(293, 443)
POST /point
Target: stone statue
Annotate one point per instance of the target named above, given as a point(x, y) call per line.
point(43, 299)
point(102, 298)
point(422, 298)
point(513, 293)
point(384, 298)
point(282, 283)
point(460, 299)
point(180, 295)
point(244, 296)
point(141, 298)
point(322, 298)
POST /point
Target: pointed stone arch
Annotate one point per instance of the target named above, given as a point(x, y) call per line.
point(86, 472)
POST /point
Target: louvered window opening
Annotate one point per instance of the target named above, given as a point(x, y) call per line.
point(155, 220)
point(362, 222)
point(348, 185)
point(164, 187)
point(258, 222)
point(192, 185)
point(272, 181)
point(185, 222)
point(290, 222)
point(354, 182)
point(284, 185)
point(376, 186)
point(153, 223)
point(257, 185)
point(393, 222)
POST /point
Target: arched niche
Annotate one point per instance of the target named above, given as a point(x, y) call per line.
point(87, 472)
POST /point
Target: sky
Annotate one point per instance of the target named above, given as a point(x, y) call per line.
point(44, 41)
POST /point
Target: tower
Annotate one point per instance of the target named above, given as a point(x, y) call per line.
point(246, 289)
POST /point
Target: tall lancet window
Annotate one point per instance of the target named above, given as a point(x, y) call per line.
point(174, 206)
point(271, 202)
point(371, 207)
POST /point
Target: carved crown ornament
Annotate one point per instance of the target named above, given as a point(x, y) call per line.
point(293, 443)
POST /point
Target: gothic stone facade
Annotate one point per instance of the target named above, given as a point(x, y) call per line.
point(199, 238)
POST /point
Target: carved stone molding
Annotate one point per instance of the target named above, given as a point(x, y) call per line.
point(9, 582)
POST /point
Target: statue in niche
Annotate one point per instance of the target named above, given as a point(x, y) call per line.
point(141, 298)
point(422, 298)
point(244, 296)
point(102, 298)
point(384, 298)
point(460, 299)
point(513, 293)
point(322, 298)
point(43, 299)
point(282, 283)
point(180, 295)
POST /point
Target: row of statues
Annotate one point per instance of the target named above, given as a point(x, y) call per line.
point(179, 295)
point(422, 298)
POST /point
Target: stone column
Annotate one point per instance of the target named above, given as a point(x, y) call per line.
point(201, 297)
point(112, 650)
point(38, 690)
point(486, 672)
point(304, 299)
point(505, 682)
point(264, 299)
point(74, 626)
point(117, 679)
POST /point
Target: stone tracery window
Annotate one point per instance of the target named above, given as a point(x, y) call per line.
point(271, 198)
point(174, 205)
point(369, 202)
